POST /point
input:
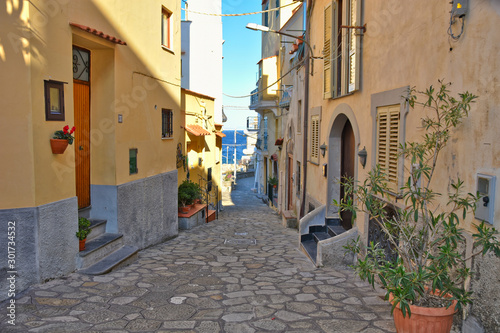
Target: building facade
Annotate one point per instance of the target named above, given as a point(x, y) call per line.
point(114, 77)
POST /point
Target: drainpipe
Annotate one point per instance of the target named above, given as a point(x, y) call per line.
point(309, 5)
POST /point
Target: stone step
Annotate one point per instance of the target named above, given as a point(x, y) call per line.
point(309, 246)
point(98, 228)
point(122, 257)
point(319, 236)
point(335, 230)
point(211, 215)
point(98, 248)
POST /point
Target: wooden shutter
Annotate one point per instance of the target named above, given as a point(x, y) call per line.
point(354, 46)
point(315, 139)
point(327, 53)
point(388, 143)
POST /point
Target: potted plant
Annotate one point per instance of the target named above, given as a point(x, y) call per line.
point(61, 139)
point(425, 264)
point(273, 181)
point(83, 231)
point(187, 193)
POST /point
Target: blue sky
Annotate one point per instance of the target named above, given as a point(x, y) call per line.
point(241, 51)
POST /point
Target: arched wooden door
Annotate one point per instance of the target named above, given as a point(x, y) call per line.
point(347, 166)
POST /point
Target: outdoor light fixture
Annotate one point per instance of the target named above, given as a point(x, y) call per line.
point(323, 149)
point(258, 27)
point(362, 156)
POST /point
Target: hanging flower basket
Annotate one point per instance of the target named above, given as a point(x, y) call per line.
point(58, 145)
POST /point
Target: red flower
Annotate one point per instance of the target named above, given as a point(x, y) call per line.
point(65, 129)
point(72, 130)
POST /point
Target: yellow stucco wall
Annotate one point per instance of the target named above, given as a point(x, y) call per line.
point(408, 45)
point(136, 80)
point(199, 110)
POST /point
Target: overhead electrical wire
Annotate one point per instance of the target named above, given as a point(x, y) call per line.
point(242, 14)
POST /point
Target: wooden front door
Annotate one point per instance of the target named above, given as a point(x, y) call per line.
point(347, 167)
point(81, 97)
point(290, 183)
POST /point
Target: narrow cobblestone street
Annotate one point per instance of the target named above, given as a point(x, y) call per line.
point(240, 273)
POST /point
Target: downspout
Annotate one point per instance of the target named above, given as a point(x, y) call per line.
point(309, 7)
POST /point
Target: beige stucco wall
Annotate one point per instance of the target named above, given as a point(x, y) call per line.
point(409, 45)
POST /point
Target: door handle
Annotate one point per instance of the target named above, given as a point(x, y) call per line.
point(80, 148)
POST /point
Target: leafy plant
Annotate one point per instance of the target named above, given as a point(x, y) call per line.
point(188, 192)
point(426, 263)
point(228, 176)
point(83, 228)
point(65, 134)
point(273, 181)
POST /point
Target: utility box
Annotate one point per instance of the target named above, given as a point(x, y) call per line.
point(460, 8)
point(485, 207)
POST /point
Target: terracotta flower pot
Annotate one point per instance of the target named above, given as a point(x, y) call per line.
point(184, 209)
point(82, 244)
point(424, 320)
point(58, 145)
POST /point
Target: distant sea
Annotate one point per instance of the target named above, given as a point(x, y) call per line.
point(228, 146)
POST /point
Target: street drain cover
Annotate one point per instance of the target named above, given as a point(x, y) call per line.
point(241, 233)
point(240, 241)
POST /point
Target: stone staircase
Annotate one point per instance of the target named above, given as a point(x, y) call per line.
point(104, 251)
point(316, 233)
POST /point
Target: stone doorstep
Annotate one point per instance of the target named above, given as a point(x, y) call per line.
point(98, 248)
point(289, 219)
point(122, 257)
point(98, 228)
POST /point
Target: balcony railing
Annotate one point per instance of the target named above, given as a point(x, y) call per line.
point(254, 99)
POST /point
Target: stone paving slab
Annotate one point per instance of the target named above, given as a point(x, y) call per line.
point(199, 282)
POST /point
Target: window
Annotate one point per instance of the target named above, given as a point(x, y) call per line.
point(341, 48)
point(388, 143)
point(315, 139)
point(167, 130)
point(265, 21)
point(299, 116)
point(54, 100)
point(132, 161)
point(297, 180)
point(166, 36)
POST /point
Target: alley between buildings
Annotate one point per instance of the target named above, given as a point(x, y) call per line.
point(240, 273)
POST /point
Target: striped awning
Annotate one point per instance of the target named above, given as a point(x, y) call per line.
point(196, 130)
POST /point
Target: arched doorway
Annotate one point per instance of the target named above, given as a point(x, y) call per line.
point(343, 141)
point(347, 153)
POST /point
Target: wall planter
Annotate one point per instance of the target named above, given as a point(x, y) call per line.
point(184, 209)
point(58, 145)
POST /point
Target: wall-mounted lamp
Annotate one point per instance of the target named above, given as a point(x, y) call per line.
point(323, 149)
point(362, 156)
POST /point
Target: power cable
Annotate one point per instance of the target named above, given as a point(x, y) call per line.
point(242, 14)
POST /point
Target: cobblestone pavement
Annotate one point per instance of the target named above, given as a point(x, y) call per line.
point(241, 273)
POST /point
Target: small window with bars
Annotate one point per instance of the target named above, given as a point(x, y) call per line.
point(388, 143)
point(132, 161)
point(167, 129)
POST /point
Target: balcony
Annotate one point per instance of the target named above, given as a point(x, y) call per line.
point(286, 96)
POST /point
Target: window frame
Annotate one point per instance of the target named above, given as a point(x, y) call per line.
point(166, 17)
point(167, 127)
point(49, 114)
point(341, 48)
point(136, 171)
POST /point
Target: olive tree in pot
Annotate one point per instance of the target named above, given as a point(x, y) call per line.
point(428, 268)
